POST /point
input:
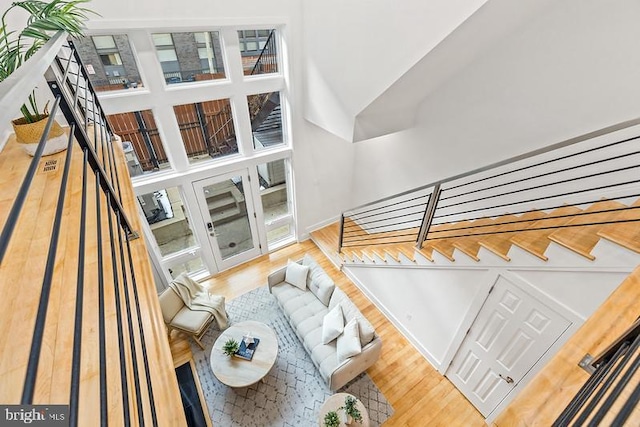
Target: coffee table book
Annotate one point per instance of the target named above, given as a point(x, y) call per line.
point(246, 351)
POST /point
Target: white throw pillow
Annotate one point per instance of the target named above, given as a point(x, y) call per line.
point(348, 342)
point(332, 325)
point(296, 275)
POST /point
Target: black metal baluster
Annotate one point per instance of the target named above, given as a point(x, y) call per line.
point(102, 336)
point(145, 358)
point(129, 320)
point(77, 327)
point(116, 285)
point(620, 384)
point(43, 304)
point(21, 197)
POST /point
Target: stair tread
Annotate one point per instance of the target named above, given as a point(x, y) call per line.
point(582, 239)
point(427, 252)
point(627, 234)
point(501, 243)
point(409, 253)
point(444, 247)
point(535, 239)
point(392, 251)
point(438, 238)
point(469, 244)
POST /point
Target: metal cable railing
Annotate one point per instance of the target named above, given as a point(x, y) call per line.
point(483, 202)
point(112, 278)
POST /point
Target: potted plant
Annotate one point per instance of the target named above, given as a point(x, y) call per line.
point(230, 347)
point(18, 45)
point(331, 419)
point(352, 413)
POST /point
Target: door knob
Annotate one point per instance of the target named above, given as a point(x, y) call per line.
point(509, 380)
point(210, 226)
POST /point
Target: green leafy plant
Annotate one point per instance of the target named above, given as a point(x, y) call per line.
point(230, 347)
point(45, 19)
point(350, 408)
point(331, 419)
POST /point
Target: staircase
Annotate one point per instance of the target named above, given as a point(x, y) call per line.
point(561, 222)
point(572, 194)
point(571, 227)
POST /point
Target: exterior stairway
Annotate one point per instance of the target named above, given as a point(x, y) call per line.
point(571, 227)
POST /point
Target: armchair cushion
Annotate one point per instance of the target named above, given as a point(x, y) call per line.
point(171, 304)
point(191, 320)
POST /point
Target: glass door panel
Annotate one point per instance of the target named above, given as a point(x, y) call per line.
point(227, 211)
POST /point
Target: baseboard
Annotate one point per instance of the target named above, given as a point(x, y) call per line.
point(322, 224)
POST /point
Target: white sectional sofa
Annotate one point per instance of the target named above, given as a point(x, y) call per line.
point(306, 309)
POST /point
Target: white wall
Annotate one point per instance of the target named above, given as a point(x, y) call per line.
point(428, 305)
point(571, 70)
point(356, 49)
point(434, 307)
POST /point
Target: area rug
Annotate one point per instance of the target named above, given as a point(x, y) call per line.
point(293, 391)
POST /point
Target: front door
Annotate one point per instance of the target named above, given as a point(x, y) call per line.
point(228, 213)
point(512, 331)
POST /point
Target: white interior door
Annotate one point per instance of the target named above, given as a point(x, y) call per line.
point(511, 332)
point(228, 213)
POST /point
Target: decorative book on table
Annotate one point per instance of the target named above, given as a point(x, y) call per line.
point(247, 347)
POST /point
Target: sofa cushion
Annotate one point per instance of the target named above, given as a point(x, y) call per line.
point(350, 311)
point(332, 324)
point(296, 274)
point(349, 342)
point(318, 281)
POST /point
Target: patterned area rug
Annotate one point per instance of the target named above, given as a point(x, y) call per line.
point(293, 391)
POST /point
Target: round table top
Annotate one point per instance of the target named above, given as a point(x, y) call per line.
point(336, 401)
point(237, 372)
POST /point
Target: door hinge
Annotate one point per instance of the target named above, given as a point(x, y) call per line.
point(249, 178)
point(492, 287)
point(254, 215)
point(259, 245)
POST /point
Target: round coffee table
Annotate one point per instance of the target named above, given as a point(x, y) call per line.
point(336, 401)
point(236, 372)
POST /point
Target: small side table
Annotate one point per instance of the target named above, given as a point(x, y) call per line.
point(336, 401)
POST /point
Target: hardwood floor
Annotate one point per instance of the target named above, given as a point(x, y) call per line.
point(419, 394)
point(21, 285)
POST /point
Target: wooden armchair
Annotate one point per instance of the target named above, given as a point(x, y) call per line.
point(177, 315)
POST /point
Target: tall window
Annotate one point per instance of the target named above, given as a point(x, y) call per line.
point(276, 203)
point(207, 113)
point(266, 119)
point(141, 141)
point(109, 61)
point(207, 129)
point(189, 57)
point(170, 227)
point(259, 51)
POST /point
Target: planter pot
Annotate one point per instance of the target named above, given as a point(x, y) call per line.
point(28, 136)
point(346, 418)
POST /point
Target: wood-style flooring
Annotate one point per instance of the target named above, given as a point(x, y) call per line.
point(419, 394)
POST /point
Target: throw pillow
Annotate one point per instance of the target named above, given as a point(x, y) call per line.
point(349, 342)
point(350, 311)
point(332, 325)
point(296, 275)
